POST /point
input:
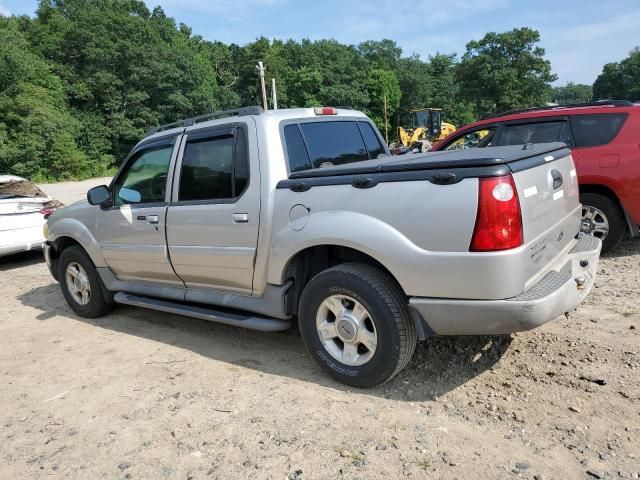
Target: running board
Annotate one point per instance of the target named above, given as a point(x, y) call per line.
point(234, 319)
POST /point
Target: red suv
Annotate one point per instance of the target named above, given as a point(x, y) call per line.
point(604, 138)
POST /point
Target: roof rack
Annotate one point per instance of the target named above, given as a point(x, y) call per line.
point(187, 122)
point(612, 103)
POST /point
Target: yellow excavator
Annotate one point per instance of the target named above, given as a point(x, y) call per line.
point(427, 127)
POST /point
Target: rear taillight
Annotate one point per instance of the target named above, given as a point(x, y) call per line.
point(499, 220)
point(46, 211)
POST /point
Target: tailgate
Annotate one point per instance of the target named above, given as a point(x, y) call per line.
point(549, 200)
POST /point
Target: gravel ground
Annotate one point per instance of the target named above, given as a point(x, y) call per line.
point(69, 192)
point(140, 394)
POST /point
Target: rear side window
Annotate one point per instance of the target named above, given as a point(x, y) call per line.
point(598, 129)
point(214, 168)
point(532, 133)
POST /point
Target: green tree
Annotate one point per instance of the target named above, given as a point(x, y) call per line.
point(503, 71)
point(620, 80)
point(36, 129)
point(572, 93)
point(383, 54)
point(125, 67)
point(384, 94)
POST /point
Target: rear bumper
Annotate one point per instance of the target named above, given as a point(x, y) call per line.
point(20, 240)
point(559, 291)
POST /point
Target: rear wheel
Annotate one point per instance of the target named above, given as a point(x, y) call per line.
point(81, 285)
point(356, 324)
point(602, 218)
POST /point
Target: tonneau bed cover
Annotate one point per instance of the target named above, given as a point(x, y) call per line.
point(473, 157)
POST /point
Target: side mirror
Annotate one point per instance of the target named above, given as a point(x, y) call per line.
point(98, 195)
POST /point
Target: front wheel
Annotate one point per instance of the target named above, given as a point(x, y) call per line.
point(81, 285)
point(602, 218)
point(356, 324)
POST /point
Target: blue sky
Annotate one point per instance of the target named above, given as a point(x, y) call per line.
point(579, 36)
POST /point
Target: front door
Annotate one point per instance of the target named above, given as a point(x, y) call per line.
point(212, 221)
point(132, 230)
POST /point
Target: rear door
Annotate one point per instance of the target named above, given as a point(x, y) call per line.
point(593, 135)
point(214, 215)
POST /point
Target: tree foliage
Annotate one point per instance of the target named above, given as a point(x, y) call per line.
point(506, 70)
point(620, 80)
point(37, 132)
point(84, 79)
point(572, 93)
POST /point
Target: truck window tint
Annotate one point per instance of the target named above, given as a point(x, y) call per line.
point(333, 143)
point(207, 167)
point(371, 140)
point(145, 177)
point(476, 139)
point(532, 133)
point(240, 163)
point(598, 129)
point(296, 151)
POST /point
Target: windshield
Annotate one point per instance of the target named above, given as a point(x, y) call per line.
point(426, 118)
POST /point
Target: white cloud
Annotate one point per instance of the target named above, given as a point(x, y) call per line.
point(578, 53)
point(4, 11)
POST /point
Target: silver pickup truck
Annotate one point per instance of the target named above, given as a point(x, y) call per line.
point(262, 219)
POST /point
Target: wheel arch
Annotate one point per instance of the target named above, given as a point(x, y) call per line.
point(307, 262)
point(606, 191)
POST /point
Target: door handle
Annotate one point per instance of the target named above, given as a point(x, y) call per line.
point(240, 218)
point(152, 219)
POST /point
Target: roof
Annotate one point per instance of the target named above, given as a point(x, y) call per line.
point(558, 110)
point(214, 118)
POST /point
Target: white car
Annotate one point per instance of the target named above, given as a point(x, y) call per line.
point(23, 211)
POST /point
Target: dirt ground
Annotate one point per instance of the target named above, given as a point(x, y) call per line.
point(143, 395)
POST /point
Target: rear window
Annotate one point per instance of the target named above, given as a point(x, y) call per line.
point(532, 133)
point(298, 156)
point(324, 144)
point(371, 140)
point(598, 129)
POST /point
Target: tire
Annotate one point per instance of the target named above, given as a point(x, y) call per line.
point(386, 317)
point(99, 302)
point(609, 211)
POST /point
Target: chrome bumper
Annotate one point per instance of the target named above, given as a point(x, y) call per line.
point(558, 292)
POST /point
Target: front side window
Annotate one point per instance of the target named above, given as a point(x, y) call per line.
point(145, 177)
point(543, 132)
point(476, 139)
point(598, 129)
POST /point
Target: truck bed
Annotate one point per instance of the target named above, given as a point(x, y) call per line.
point(415, 214)
point(517, 157)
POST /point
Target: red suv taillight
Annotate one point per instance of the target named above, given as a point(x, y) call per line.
point(499, 220)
